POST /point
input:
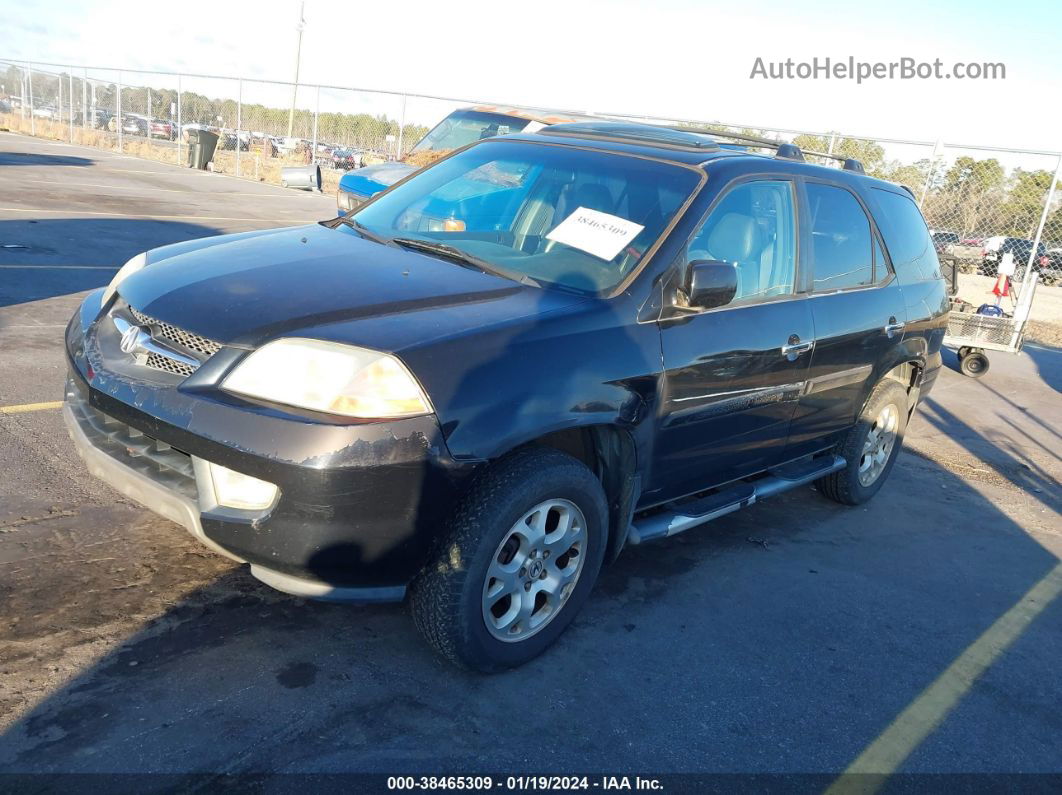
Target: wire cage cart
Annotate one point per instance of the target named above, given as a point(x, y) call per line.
point(972, 334)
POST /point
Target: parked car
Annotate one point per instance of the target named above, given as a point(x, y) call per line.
point(132, 124)
point(100, 119)
point(460, 128)
point(162, 128)
point(230, 139)
point(346, 159)
point(478, 388)
point(995, 247)
point(1051, 273)
point(263, 144)
point(289, 146)
point(941, 240)
point(968, 252)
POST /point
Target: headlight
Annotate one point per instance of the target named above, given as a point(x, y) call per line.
point(131, 267)
point(329, 377)
point(346, 201)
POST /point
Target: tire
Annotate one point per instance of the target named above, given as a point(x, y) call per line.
point(451, 599)
point(848, 486)
point(974, 364)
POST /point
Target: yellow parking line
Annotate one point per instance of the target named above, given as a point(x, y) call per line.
point(870, 770)
point(30, 407)
point(153, 217)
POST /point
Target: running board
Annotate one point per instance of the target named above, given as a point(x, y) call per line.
point(691, 514)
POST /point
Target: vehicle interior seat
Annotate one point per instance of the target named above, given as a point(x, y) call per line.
point(739, 239)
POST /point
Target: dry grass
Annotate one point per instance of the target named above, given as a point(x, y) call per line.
point(426, 157)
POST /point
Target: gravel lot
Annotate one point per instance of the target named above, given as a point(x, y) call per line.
point(782, 639)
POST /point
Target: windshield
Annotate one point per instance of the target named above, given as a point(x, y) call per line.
point(463, 127)
point(559, 215)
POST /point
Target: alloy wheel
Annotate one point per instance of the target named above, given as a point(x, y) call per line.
point(534, 570)
point(878, 445)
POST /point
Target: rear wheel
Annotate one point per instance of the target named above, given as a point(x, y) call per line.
point(520, 558)
point(870, 447)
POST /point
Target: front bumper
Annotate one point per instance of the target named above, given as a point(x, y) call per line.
point(359, 505)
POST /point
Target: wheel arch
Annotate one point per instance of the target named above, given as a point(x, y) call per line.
point(909, 375)
point(610, 452)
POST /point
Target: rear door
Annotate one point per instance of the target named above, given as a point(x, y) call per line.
point(731, 382)
point(858, 312)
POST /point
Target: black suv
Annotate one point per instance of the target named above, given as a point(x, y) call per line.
point(479, 386)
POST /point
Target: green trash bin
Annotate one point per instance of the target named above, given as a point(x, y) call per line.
point(201, 146)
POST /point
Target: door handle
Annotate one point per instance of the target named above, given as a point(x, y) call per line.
point(892, 327)
point(795, 347)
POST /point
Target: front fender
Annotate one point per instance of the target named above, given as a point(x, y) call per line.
point(497, 389)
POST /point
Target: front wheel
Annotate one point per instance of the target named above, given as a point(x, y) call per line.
point(870, 447)
point(519, 560)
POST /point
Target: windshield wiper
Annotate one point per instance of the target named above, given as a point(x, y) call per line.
point(365, 232)
point(454, 253)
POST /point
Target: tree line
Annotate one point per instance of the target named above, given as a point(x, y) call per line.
point(972, 197)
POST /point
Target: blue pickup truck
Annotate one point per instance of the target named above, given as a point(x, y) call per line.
point(460, 128)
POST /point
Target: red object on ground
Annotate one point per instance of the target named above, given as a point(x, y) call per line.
point(1002, 286)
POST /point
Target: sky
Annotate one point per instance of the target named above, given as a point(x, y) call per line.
point(675, 58)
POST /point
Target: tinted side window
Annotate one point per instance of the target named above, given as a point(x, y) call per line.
point(840, 239)
point(753, 227)
point(906, 236)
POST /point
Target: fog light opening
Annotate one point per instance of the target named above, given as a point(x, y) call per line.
point(235, 490)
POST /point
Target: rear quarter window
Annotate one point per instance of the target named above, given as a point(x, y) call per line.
point(906, 236)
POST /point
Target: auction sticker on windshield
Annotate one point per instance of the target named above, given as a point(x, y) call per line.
point(595, 232)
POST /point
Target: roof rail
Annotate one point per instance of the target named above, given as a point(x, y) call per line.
point(784, 150)
point(675, 137)
point(790, 152)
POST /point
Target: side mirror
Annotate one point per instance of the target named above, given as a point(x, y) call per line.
point(711, 283)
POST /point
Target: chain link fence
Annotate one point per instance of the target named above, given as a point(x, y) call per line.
point(981, 202)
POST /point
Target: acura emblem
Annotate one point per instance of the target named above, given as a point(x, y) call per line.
point(131, 338)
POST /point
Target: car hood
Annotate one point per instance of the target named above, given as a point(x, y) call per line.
point(327, 283)
point(371, 180)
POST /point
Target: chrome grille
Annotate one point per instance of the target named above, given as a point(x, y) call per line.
point(168, 365)
point(178, 336)
point(184, 345)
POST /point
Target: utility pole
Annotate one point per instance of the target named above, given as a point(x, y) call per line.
point(298, 57)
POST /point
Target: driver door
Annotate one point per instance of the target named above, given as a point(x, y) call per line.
point(734, 374)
